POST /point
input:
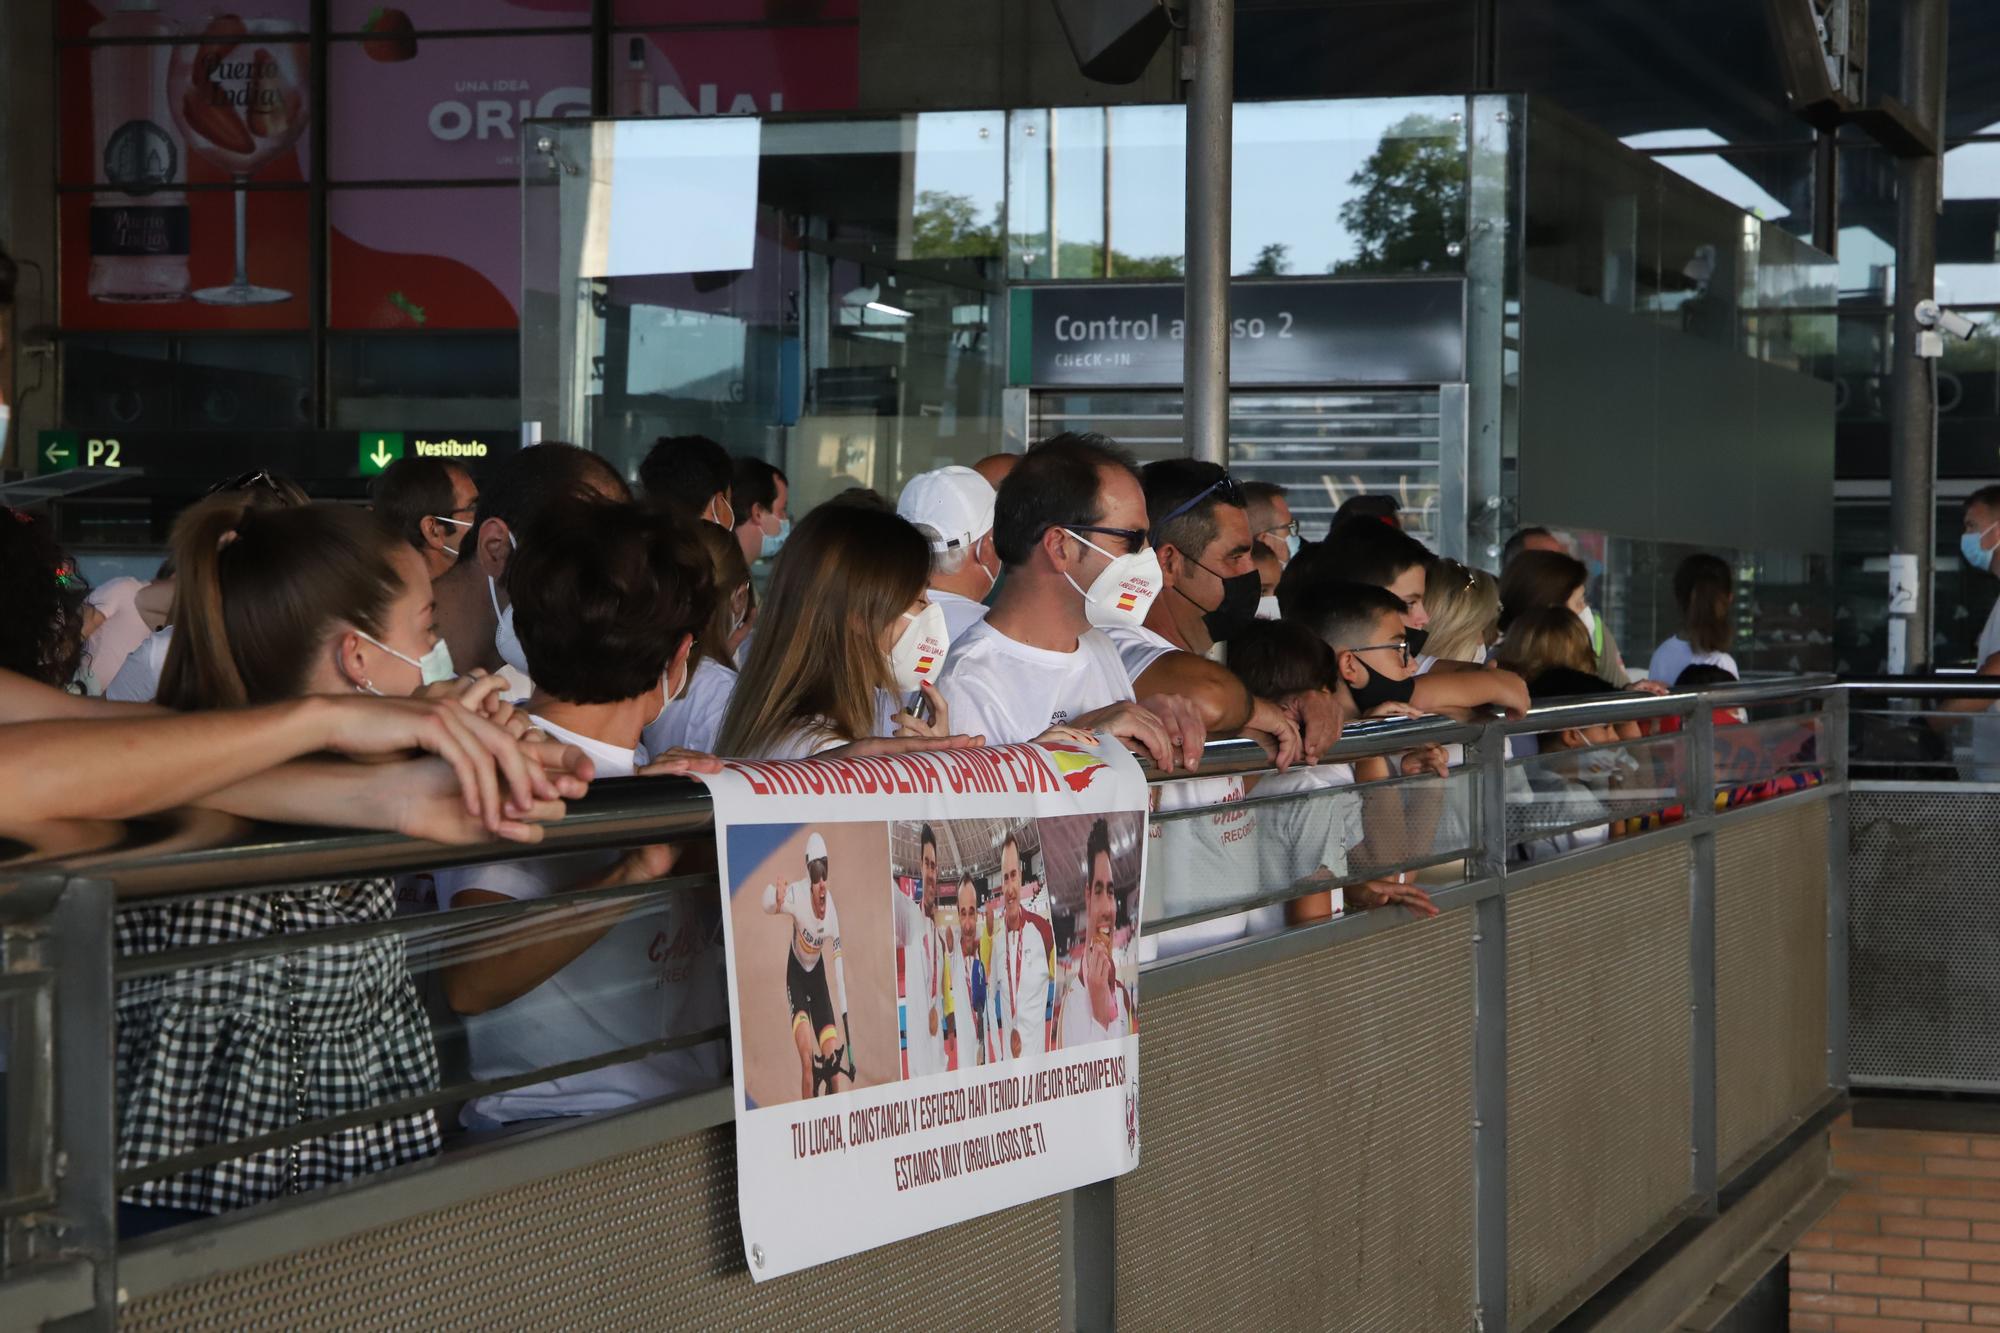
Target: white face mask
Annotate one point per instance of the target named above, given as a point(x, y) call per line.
point(432, 667)
point(505, 641)
point(1123, 593)
point(1479, 654)
point(919, 652)
point(1267, 607)
point(669, 693)
point(1589, 618)
point(451, 551)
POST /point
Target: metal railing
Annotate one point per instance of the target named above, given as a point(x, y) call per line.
point(1437, 1081)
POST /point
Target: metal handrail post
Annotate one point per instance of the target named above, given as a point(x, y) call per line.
point(1704, 1169)
point(1835, 738)
point(1489, 1041)
point(1210, 125)
point(85, 1053)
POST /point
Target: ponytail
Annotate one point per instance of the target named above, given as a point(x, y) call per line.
point(257, 591)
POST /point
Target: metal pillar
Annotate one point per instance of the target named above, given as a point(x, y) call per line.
point(1913, 407)
point(1210, 112)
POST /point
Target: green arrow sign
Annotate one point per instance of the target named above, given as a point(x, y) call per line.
point(59, 450)
point(379, 449)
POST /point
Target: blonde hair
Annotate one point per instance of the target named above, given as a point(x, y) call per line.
point(1546, 638)
point(730, 572)
point(817, 662)
point(1465, 610)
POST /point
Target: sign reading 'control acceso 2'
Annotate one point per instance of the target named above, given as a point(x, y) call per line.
point(1332, 331)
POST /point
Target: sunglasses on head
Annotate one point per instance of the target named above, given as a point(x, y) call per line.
point(1224, 485)
point(248, 480)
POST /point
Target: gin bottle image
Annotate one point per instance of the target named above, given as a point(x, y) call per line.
point(139, 221)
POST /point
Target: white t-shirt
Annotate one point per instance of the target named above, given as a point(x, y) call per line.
point(693, 721)
point(1193, 865)
point(813, 935)
point(924, 984)
point(1301, 838)
point(965, 1017)
point(138, 681)
point(123, 630)
point(1677, 655)
point(1138, 648)
point(801, 743)
point(1007, 691)
point(960, 613)
point(657, 973)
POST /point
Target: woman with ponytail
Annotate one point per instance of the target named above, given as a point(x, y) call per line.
point(276, 604)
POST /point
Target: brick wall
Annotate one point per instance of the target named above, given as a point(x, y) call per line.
point(1914, 1247)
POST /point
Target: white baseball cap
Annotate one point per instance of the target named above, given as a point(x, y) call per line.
point(954, 502)
point(815, 848)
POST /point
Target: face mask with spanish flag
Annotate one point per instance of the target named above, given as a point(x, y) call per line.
point(919, 652)
point(1123, 592)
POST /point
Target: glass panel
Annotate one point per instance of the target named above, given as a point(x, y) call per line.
point(434, 1021)
point(452, 110)
point(1634, 67)
point(735, 71)
point(140, 384)
point(1776, 186)
point(1963, 597)
point(1361, 186)
point(1867, 225)
point(99, 18)
point(855, 347)
point(1582, 787)
point(424, 259)
point(275, 226)
point(406, 381)
point(390, 28)
point(1759, 760)
point(1927, 743)
point(1322, 448)
point(1214, 854)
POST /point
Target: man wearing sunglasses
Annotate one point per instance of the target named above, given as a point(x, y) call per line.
point(1069, 524)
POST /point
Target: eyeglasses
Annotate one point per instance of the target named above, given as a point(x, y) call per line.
point(1225, 485)
point(1134, 538)
point(1402, 647)
point(1290, 529)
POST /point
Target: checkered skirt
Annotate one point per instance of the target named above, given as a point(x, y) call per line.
point(217, 1054)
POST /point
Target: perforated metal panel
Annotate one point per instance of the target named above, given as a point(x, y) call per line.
point(644, 1241)
point(1598, 1086)
point(1770, 976)
point(1923, 939)
point(1308, 1145)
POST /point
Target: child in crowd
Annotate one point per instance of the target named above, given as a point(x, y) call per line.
point(1549, 638)
point(607, 600)
point(693, 721)
point(1567, 786)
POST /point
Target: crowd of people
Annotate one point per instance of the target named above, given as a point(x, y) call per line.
point(490, 646)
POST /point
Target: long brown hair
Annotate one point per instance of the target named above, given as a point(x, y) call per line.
point(728, 569)
point(257, 589)
point(1465, 610)
point(1706, 589)
point(817, 660)
point(1549, 636)
point(1537, 579)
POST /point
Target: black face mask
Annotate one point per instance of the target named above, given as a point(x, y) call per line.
point(1381, 690)
point(1238, 609)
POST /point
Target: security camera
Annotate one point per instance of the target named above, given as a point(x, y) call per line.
point(1931, 315)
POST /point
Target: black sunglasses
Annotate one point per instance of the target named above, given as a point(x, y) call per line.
point(243, 483)
point(1134, 538)
point(1224, 485)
